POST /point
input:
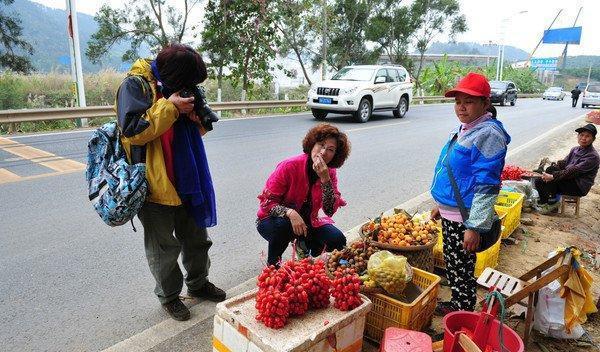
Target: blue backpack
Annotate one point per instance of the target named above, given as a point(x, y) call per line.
point(117, 189)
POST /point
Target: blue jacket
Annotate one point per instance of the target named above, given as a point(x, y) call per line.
point(477, 160)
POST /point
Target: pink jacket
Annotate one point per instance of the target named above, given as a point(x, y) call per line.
point(288, 186)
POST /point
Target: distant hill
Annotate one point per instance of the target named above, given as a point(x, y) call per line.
point(45, 29)
point(511, 53)
point(583, 61)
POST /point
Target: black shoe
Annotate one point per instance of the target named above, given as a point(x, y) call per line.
point(208, 291)
point(177, 310)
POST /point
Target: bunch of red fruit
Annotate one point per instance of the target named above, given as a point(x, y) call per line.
point(298, 286)
point(345, 289)
point(511, 172)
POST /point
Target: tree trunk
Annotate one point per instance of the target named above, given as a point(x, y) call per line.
point(245, 69)
point(421, 58)
point(302, 65)
point(220, 78)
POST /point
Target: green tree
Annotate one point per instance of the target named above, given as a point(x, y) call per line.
point(346, 33)
point(435, 17)
point(297, 26)
point(254, 43)
point(218, 39)
point(392, 29)
point(151, 22)
point(10, 39)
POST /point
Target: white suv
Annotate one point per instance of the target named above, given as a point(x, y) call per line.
point(362, 89)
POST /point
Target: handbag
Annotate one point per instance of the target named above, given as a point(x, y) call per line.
point(487, 238)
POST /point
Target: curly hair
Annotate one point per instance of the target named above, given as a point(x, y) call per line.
point(323, 131)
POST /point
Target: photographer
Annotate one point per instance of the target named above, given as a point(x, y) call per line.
point(162, 128)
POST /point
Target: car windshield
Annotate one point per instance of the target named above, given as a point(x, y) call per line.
point(554, 89)
point(498, 85)
point(594, 88)
point(353, 74)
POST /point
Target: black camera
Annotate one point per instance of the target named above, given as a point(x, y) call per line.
point(206, 115)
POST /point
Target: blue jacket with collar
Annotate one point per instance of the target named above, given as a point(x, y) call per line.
point(477, 160)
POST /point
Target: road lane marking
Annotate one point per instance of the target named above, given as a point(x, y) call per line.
point(52, 161)
point(33, 177)
point(377, 126)
point(7, 176)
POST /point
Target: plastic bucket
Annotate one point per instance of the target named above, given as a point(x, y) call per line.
point(456, 321)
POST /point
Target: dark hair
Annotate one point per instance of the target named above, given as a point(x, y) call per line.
point(180, 66)
point(321, 132)
point(492, 109)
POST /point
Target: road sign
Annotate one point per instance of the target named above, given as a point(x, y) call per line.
point(570, 35)
point(544, 63)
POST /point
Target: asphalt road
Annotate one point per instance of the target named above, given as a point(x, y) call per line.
point(69, 282)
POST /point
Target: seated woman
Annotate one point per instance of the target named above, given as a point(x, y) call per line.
point(301, 195)
point(573, 176)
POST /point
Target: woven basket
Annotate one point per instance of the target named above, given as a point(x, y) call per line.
point(417, 256)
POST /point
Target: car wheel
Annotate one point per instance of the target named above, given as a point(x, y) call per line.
point(503, 102)
point(401, 109)
point(319, 114)
point(363, 114)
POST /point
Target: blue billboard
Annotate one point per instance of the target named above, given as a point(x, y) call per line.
point(544, 63)
point(571, 35)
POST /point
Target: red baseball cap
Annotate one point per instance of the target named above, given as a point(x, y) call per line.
point(472, 84)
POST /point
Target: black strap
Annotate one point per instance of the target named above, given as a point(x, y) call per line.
point(457, 196)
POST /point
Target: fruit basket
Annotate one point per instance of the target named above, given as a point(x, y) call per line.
point(411, 236)
point(511, 204)
point(412, 312)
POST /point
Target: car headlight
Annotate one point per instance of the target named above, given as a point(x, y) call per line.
point(349, 90)
point(312, 90)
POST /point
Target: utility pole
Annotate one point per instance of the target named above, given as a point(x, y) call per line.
point(564, 54)
point(324, 45)
point(76, 67)
point(542, 38)
point(589, 74)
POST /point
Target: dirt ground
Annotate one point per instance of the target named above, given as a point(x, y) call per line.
point(531, 246)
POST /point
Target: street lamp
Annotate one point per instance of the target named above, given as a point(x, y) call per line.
point(500, 59)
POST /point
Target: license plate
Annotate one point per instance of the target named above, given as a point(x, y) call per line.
point(325, 100)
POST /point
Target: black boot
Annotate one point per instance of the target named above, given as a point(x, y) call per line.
point(177, 310)
point(209, 291)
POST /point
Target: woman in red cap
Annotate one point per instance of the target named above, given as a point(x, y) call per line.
point(471, 162)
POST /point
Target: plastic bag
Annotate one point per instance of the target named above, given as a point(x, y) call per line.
point(549, 318)
point(391, 272)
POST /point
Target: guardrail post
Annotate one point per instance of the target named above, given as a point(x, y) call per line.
point(12, 127)
point(219, 100)
point(421, 95)
point(244, 99)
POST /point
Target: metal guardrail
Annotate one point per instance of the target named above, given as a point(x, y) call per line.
point(28, 115)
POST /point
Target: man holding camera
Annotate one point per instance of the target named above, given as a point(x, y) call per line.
point(162, 115)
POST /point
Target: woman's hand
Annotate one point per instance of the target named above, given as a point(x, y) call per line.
point(184, 105)
point(435, 213)
point(321, 168)
point(298, 224)
point(546, 177)
point(471, 241)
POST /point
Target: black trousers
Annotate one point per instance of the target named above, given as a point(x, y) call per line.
point(279, 233)
point(548, 190)
point(460, 266)
point(575, 101)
